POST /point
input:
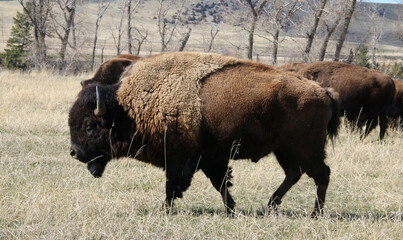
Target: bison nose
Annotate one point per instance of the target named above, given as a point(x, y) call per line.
point(73, 153)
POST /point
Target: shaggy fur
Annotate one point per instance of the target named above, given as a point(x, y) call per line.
point(163, 91)
point(185, 112)
point(365, 94)
point(111, 70)
point(395, 112)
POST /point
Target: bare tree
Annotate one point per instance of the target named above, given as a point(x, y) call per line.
point(129, 26)
point(330, 21)
point(62, 27)
point(118, 38)
point(2, 24)
point(347, 17)
point(185, 39)
point(79, 40)
point(73, 42)
point(130, 9)
point(140, 38)
point(126, 10)
point(311, 33)
point(38, 12)
point(256, 8)
point(376, 26)
point(398, 29)
point(167, 27)
point(213, 33)
point(278, 14)
point(101, 11)
point(329, 31)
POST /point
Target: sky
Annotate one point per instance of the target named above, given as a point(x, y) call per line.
point(385, 1)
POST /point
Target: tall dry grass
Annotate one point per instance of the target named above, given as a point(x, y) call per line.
point(44, 194)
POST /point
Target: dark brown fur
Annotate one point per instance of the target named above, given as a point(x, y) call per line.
point(395, 112)
point(248, 111)
point(364, 94)
point(111, 70)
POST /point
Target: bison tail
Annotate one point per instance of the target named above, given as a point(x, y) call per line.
point(334, 122)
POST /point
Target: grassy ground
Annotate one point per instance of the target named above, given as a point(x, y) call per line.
point(45, 194)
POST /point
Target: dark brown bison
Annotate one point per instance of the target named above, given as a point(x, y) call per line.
point(364, 94)
point(111, 70)
point(395, 112)
point(189, 111)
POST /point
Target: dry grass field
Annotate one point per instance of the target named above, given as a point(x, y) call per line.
point(45, 194)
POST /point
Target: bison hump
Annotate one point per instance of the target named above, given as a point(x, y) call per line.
point(161, 93)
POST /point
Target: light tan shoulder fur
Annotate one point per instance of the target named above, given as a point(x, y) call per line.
point(163, 91)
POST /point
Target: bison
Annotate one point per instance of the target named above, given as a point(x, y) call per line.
point(185, 112)
point(395, 112)
point(111, 70)
point(364, 94)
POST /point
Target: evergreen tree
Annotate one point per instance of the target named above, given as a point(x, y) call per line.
point(362, 58)
point(19, 43)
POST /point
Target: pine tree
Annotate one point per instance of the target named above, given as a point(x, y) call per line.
point(19, 43)
point(362, 58)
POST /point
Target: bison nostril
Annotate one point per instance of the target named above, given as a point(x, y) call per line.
point(73, 153)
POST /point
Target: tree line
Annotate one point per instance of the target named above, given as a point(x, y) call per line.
point(273, 20)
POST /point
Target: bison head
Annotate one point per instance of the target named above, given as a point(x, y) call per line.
point(91, 121)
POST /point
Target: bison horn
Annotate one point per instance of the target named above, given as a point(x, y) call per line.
point(101, 109)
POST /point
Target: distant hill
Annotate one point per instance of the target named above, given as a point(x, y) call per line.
point(392, 14)
point(203, 15)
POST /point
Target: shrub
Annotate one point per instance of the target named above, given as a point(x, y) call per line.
point(19, 43)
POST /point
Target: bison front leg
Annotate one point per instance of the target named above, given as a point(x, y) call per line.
point(174, 188)
point(220, 176)
point(178, 178)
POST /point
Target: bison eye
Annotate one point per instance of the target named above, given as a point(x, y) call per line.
point(90, 128)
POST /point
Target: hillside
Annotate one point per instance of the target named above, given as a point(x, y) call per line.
point(204, 15)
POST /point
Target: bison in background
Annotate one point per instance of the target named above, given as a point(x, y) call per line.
point(185, 112)
point(395, 112)
point(110, 71)
point(365, 94)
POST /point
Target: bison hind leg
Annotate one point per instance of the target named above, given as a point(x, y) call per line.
point(320, 172)
point(220, 176)
point(292, 174)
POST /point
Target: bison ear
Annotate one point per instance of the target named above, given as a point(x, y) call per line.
point(100, 110)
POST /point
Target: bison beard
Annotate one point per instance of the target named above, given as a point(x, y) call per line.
point(190, 119)
point(97, 167)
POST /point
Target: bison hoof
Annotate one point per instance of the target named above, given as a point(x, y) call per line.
point(316, 213)
point(230, 210)
point(274, 203)
point(167, 207)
